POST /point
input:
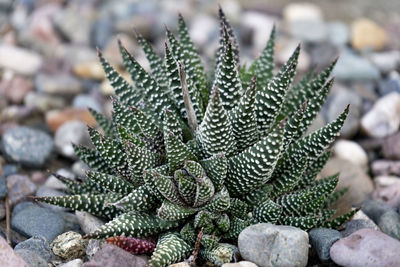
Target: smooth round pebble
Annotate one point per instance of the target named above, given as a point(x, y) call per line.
point(322, 239)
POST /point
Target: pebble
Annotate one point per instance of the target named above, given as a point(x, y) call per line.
point(74, 25)
point(9, 169)
point(73, 263)
point(86, 101)
point(386, 61)
point(110, 255)
point(309, 31)
point(366, 34)
point(366, 247)
point(352, 67)
point(352, 176)
point(390, 84)
point(384, 118)
point(8, 257)
point(19, 187)
point(338, 103)
point(374, 209)
point(302, 11)
point(357, 224)
point(38, 245)
point(385, 167)
point(239, 264)
point(389, 223)
point(35, 220)
point(31, 258)
point(387, 189)
point(56, 118)
point(266, 244)
point(15, 88)
point(79, 168)
point(69, 245)
point(338, 33)
point(3, 187)
point(44, 102)
point(322, 239)
point(391, 147)
point(21, 206)
point(45, 191)
point(93, 246)
point(19, 60)
point(30, 147)
point(54, 183)
point(71, 132)
point(88, 222)
point(89, 70)
point(58, 84)
point(351, 151)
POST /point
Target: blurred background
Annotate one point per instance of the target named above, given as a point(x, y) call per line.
point(49, 75)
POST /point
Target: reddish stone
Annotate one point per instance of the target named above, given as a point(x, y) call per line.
point(56, 118)
point(15, 89)
point(8, 257)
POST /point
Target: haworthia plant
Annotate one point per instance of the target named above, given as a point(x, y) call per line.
point(182, 153)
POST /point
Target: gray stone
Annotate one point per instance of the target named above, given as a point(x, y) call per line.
point(321, 239)
point(73, 263)
point(9, 169)
point(71, 222)
point(69, 245)
point(45, 191)
point(60, 84)
point(266, 244)
point(88, 222)
point(389, 223)
point(338, 33)
point(74, 25)
point(102, 30)
point(35, 220)
point(38, 245)
point(389, 85)
point(21, 206)
point(353, 67)
point(86, 101)
point(3, 187)
point(355, 225)
point(309, 31)
point(19, 187)
point(71, 132)
point(31, 258)
point(374, 209)
point(366, 247)
point(386, 61)
point(27, 146)
point(44, 102)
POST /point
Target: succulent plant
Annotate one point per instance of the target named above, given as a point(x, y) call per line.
point(182, 153)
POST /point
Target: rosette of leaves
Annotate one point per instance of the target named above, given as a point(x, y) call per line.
point(182, 153)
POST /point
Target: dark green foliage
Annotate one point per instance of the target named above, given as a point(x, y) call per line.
point(182, 153)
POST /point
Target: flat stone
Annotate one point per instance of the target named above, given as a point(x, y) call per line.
point(389, 223)
point(56, 118)
point(374, 209)
point(384, 118)
point(8, 257)
point(19, 59)
point(19, 187)
point(266, 244)
point(88, 222)
point(59, 84)
point(69, 245)
point(89, 70)
point(302, 11)
point(30, 147)
point(366, 247)
point(44, 102)
point(322, 239)
point(386, 167)
point(359, 221)
point(366, 34)
point(110, 255)
point(35, 220)
point(32, 258)
point(71, 132)
point(38, 245)
point(387, 189)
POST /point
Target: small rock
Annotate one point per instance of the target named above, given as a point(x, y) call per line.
point(352, 176)
point(31, 258)
point(74, 25)
point(21, 206)
point(88, 222)
point(374, 209)
point(352, 67)
point(73, 263)
point(9, 169)
point(308, 30)
point(302, 11)
point(93, 246)
point(351, 151)
point(27, 146)
point(35, 220)
point(387, 189)
point(86, 101)
point(89, 70)
point(54, 183)
point(366, 34)
point(390, 84)
point(110, 255)
point(239, 264)
point(338, 33)
point(322, 239)
point(8, 257)
point(366, 247)
point(45, 191)
point(357, 224)
point(384, 118)
point(386, 61)
point(71, 132)
point(44, 102)
point(102, 31)
point(15, 89)
point(389, 223)
point(71, 222)
point(266, 244)
point(56, 118)
point(19, 59)
point(69, 245)
point(391, 147)
point(386, 167)
point(38, 245)
point(38, 177)
point(19, 187)
point(58, 84)
point(3, 187)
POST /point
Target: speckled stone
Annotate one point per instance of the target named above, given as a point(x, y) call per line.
point(69, 245)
